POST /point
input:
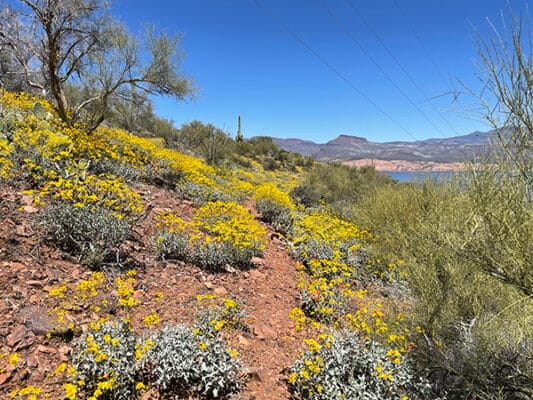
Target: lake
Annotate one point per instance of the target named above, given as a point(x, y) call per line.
point(418, 176)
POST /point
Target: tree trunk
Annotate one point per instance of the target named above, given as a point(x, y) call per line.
point(56, 86)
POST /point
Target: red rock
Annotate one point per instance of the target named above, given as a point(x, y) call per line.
point(32, 361)
point(36, 319)
point(255, 274)
point(257, 261)
point(254, 374)
point(265, 331)
point(20, 338)
point(64, 352)
point(243, 341)
point(220, 291)
point(35, 284)
point(229, 269)
point(16, 267)
point(45, 349)
point(4, 377)
point(27, 200)
point(30, 209)
point(75, 273)
point(208, 285)
point(34, 299)
point(21, 230)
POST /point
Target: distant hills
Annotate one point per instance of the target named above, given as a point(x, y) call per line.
point(420, 154)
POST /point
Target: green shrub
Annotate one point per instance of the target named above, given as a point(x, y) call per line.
point(306, 195)
point(105, 361)
point(198, 193)
point(344, 367)
point(181, 363)
point(91, 234)
point(170, 245)
point(466, 252)
point(215, 314)
point(120, 169)
point(339, 185)
point(212, 256)
point(275, 206)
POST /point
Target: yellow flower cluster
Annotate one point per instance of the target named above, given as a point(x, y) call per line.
point(23, 101)
point(229, 223)
point(28, 393)
point(6, 165)
point(141, 350)
point(222, 313)
point(270, 191)
point(94, 191)
point(168, 221)
point(323, 227)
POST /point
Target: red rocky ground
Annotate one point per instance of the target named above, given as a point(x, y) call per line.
point(30, 266)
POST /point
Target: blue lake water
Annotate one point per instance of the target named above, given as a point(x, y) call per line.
point(418, 176)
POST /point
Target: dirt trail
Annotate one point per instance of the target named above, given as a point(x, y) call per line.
point(270, 295)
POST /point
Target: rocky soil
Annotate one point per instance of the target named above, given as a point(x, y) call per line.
point(30, 266)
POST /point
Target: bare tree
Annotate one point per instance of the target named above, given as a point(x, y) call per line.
point(505, 68)
point(57, 43)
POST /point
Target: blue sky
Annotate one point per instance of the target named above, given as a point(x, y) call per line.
point(252, 61)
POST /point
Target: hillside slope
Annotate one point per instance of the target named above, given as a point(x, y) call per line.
point(133, 271)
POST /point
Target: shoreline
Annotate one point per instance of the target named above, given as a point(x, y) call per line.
point(407, 166)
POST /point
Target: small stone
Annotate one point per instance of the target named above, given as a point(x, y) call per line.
point(208, 285)
point(20, 230)
point(257, 260)
point(17, 267)
point(138, 294)
point(32, 361)
point(19, 292)
point(229, 269)
point(35, 284)
point(45, 349)
point(254, 374)
point(30, 209)
point(265, 331)
point(256, 275)
point(27, 200)
point(220, 291)
point(34, 299)
point(20, 338)
point(243, 341)
point(5, 377)
point(150, 394)
point(75, 273)
point(64, 352)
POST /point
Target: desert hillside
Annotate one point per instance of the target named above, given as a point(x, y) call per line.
point(111, 243)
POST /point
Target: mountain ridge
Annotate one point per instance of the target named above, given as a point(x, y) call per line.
point(347, 148)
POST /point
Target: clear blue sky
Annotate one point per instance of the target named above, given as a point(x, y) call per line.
point(245, 62)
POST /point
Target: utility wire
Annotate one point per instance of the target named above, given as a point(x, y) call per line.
point(330, 66)
point(416, 85)
point(376, 64)
point(419, 40)
point(428, 55)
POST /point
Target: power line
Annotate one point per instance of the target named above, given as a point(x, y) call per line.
point(419, 40)
point(416, 85)
point(376, 64)
point(330, 66)
point(428, 55)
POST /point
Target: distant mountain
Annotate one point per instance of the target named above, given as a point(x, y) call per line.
point(348, 148)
